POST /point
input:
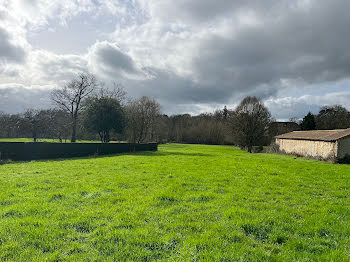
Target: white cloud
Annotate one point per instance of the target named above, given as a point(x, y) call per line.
point(37, 13)
point(47, 67)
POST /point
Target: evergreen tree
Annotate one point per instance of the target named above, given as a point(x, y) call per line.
point(225, 113)
point(308, 122)
point(333, 117)
point(103, 115)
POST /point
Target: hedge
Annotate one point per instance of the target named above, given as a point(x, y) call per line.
point(43, 150)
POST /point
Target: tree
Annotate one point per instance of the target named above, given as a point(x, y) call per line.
point(251, 120)
point(294, 120)
point(72, 97)
point(103, 115)
point(11, 125)
point(2, 123)
point(178, 125)
point(117, 92)
point(57, 124)
point(333, 117)
point(142, 118)
point(308, 122)
point(225, 113)
point(33, 122)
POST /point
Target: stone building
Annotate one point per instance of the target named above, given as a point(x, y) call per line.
point(326, 144)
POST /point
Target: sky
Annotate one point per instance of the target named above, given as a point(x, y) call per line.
point(192, 56)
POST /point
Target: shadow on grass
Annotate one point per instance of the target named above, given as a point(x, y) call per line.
point(160, 153)
point(150, 154)
point(140, 153)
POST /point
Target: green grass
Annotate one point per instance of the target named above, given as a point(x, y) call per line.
point(183, 203)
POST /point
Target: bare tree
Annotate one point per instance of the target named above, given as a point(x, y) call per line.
point(295, 120)
point(33, 122)
point(117, 92)
point(57, 124)
point(72, 97)
point(11, 125)
point(251, 120)
point(178, 125)
point(3, 124)
point(142, 117)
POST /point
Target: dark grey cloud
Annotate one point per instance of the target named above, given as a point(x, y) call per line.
point(179, 94)
point(15, 98)
point(107, 58)
point(305, 42)
point(10, 52)
point(208, 10)
point(239, 48)
point(303, 45)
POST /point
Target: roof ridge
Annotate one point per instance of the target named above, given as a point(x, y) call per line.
point(318, 135)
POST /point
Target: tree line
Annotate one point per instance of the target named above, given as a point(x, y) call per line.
point(328, 118)
point(86, 110)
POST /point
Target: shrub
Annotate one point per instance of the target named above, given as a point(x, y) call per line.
point(344, 160)
point(257, 149)
point(274, 148)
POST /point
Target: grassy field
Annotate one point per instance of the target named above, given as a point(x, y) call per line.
point(183, 203)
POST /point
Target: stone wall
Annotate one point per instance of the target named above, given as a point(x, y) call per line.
point(343, 147)
point(307, 148)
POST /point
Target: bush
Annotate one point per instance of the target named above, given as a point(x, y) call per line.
point(257, 149)
point(344, 160)
point(274, 148)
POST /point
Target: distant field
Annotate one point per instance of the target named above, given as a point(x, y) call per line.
point(183, 203)
point(48, 140)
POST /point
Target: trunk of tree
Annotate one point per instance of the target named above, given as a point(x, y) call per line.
point(34, 136)
point(104, 136)
point(140, 137)
point(250, 149)
point(74, 130)
point(107, 137)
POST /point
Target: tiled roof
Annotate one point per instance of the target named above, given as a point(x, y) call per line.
point(317, 135)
